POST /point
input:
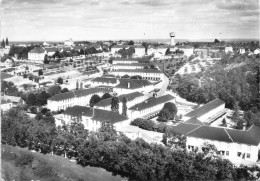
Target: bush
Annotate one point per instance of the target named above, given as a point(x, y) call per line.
point(33, 109)
point(43, 169)
point(24, 159)
point(161, 127)
point(137, 122)
point(147, 125)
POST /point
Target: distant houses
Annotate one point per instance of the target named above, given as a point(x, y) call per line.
point(139, 49)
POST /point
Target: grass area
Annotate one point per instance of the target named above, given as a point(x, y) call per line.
point(47, 167)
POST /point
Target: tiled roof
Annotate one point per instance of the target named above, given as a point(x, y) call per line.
point(132, 64)
point(249, 137)
point(139, 70)
point(127, 46)
point(132, 60)
point(134, 83)
point(76, 93)
point(51, 49)
point(78, 111)
point(105, 80)
point(166, 46)
point(12, 98)
point(185, 46)
point(184, 128)
point(205, 108)
point(152, 102)
point(78, 47)
point(5, 101)
point(66, 49)
point(37, 50)
point(130, 97)
point(194, 120)
point(108, 116)
point(211, 133)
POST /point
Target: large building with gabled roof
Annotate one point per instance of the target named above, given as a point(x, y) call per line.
point(208, 113)
point(69, 99)
point(37, 54)
point(150, 107)
point(149, 74)
point(91, 118)
point(132, 99)
point(235, 145)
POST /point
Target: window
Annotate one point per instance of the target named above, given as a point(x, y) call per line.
point(227, 153)
point(238, 154)
point(248, 155)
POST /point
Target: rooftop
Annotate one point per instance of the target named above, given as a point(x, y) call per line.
point(134, 83)
point(205, 108)
point(152, 102)
point(139, 70)
point(249, 137)
point(75, 93)
point(105, 80)
point(130, 97)
point(132, 64)
point(37, 50)
point(128, 46)
point(78, 111)
point(5, 101)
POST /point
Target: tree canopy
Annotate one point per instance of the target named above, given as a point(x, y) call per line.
point(94, 99)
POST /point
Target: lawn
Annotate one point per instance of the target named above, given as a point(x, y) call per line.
point(62, 167)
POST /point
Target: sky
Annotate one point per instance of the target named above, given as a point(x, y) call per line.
point(58, 20)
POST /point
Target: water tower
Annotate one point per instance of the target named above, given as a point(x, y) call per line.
point(172, 35)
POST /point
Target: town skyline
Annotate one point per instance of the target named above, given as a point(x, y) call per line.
point(53, 20)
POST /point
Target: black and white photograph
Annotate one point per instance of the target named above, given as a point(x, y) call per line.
point(130, 90)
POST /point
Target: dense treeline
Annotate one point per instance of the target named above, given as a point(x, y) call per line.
point(117, 153)
point(232, 79)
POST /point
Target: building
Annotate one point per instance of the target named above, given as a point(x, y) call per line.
point(187, 49)
point(242, 50)
point(139, 49)
point(37, 54)
point(69, 42)
point(150, 107)
point(16, 101)
point(235, 145)
point(208, 113)
point(160, 49)
point(132, 99)
point(127, 86)
point(124, 61)
point(257, 51)
point(6, 104)
point(123, 86)
point(51, 50)
point(69, 99)
point(172, 35)
point(149, 74)
point(92, 118)
point(228, 49)
point(131, 66)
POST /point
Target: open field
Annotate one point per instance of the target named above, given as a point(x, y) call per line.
point(59, 168)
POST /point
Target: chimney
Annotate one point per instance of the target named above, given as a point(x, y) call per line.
point(128, 84)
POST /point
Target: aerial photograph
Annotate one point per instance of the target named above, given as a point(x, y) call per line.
point(130, 90)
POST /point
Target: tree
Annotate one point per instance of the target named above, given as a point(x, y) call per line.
point(124, 106)
point(131, 42)
point(54, 90)
point(94, 99)
point(77, 85)
point(169, 111)
point(60, 80)
point(216, 41)
point(65, 90)
point(40, 72)
point(81, 85)
point(106, 96)
point(3, 43)
point(168, 52)
point(125, 76)
point(6, 41)
point(115, 104)
point(42, 98)
point(31, 99)
point(136, 77)
point(46, 61)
